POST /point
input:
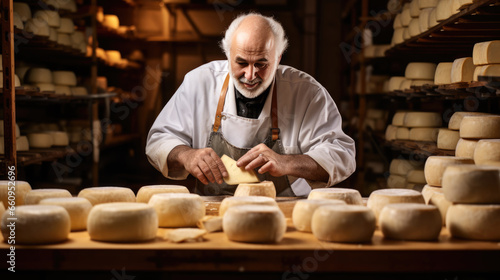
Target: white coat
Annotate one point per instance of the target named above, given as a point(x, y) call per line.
point(308, 117)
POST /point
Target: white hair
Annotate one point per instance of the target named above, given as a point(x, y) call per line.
point(278, 32)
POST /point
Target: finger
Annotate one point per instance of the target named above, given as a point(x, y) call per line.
point(259, 160)
point(214, 169)
point(220, 165)
point(266, 167)
point(200, 176)
point(249, 157)
point(207, 171)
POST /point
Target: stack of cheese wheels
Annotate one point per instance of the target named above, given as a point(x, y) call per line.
point(254, 224)
point(478, 137)
point(99, 195)
point(401, 23)
point(38, 224)
point(462, 70)
point(400, 170)
point(59, 138)
point(145, 193)
point(178, 209)
point(13, 191)
point(304, 210)
point(349, 196)
point(265, 188)
point(53, 20)
point(40, 140)
point(378, 199)
point(376, 119)
point(63, 81)
point(229, 202)
point(422, 126)
point(463, 147)
point(78, 209)
point(395, 130)
point(486, 59)
point(435, 166)
point(122, 222)
point(35, 196)
point(40, 77)
point(418, 74)
point(373, 51)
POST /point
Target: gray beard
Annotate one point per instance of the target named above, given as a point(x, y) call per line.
point(255, 92)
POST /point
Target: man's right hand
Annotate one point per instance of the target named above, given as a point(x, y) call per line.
point(204, 164)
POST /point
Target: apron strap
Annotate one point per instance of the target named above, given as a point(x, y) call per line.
point(274, 114)
point(220, 105)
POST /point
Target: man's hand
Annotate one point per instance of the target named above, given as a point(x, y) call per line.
point(204, 164)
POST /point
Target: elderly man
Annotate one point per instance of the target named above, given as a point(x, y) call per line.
point(271, 118)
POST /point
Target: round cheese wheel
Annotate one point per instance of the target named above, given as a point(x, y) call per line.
point(22, 143)
point(398, 118)
point(474, 221)
point(245, 200)
point(406, 84)
point(350, 196)
point(402, 133)
point(410, 221)
point(145, 193)
point(254, 224)
point(414, 27)
point(390, 132)
point(20, 189)
point(442, 76)
point(265, 188)
point(485, 53)
point(422, 119)
point(462, 70)
point(405, 15)
point(395, 82)
point(465, 148)
point(406, 33)
point(98, 195)
point(427, 134)
point(62, 90)
point(64, 78)
point(304, 209)
point(38, 27)
point(45, 87)
point(396, 181)
point(435, 166)
point(416, 176)
point(397, 37)
point(22, 9)
point(444, 10)
point(67, 26)
point(480, 127)
point(40, 140)
point(18, 22)
point(423, 19)
point(433, 18)
point(122, 222)
point(414, 9)
point(78, 209)
point(79, 91)
point(397, 21)
point(38, 75)
point(51, 17)
point(38, 224)
point(437, 199)
point(489, 70)
point(422, 4)
point(401, 166)
point(178, 209)
point(111, 21)
point(447, 139)
point(420, 70)
point(343, 223)
point(35, 196)
point(487, 150)
point(378, 199)
point(59, 138)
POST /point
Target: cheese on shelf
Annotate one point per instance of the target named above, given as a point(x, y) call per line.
point(78, 209)
point(480, 127)
point(18, 22)
point(420, 70)
point(447, 139)
point(245, 200)
point(378, 199)
point(456, 118)
point(22, 9)
point(59, 138)
point(437, 199)
point(423, 19)
point(402, 133)
point(414, 9)
point(487, 150)
point(67, 26)
point(462, 70)
point(397, 21)
point(304, 210)
point(398, 118)
point(265, 188)
point(414, 27)
point(490, 70)
point(486, 52)
point(406, 84)
point(350, 196)
point(474, 221)
point(428, 191)
point(38, 27)
point(433, 18)
point(38, 75)
point(442, 75)
point(397, 36)
point(145, 193)
point(51, 17)
point(65, 78)
point(98, 195)
point(471, 184)
point(36, 195)
point(406, 33)
point(237, 175)
point(402, 167)
point(405, 15)
point(416, 176)
point(444, 10)
point(390, 132)
point(422, 4)
point(64, 39)
point(435, 166)
point(395, 82)
point(20, 188)
point(62, 90)
point(428, 134)
point(465, 148)
point(178, 209)
point(422, 119)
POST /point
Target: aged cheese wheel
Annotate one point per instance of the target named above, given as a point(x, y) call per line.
point(428, 191)
point(122, 222)
point(23, 10)
point(390, 132)
point(457, 117)
point(254, 224)
point(414, 27)
point(378, 199)
point(111, 21)
point(480, 127)
point(59, 138)
point(422, 4)
point(22, 143)
point(410, 221)
point(237, 175)
point(145, 193)
point(20, 189)
point(78, 209)
point(396, 181)
point(51, 17)
point(343, 223)
point(18, 22)
point(402, 133)
point(406, 33)
point(397, 37)
point(64, 39)
point(98, 195)
point(38, 27)
point(487, 150)
point(428, 134)
point(465, 148)
point(69, 5)
point(435, 166)
point(416, 176)
point(65, 78)
point(265, 188)
point(395, 82)
point(442, 76)
point(486, 52)
point(433, 18)
point(420, 70)
point(437, 199)
point(469, 183)
point(398, 118)
point(402, 167)
point(397, 21)
point(38, 75)
point(462, 70)
point(422, 119)
point(304, 210)
point(245, 200)
point(443, 10)
point(414, 9)
point(490, 70)
point(67, 26)
point(35, 196)
point(79, 91)
point(178, 209)
point(423, 19)
point(474, 221)
point(62, 90)
point(38, 224)
point(447, 139)
point(350, 196)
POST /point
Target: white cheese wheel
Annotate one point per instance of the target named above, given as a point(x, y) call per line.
point(397, 21)
point(435, 166)
point(486, 52)
point(422, 4)
point(456, 118)
point(397, 36)
point(433, 18)
point(402, 133)
point(396, 181)
point(38, 224)
point(51, 17)
point(378, 199)
point(406, 33)
point(416, 176)
point(19, 189)
point(18, 22)
point(45, 87)
point(410, 221)
point(437, 199)
point(59, 138)
point(122, 222)
point(406, 84)
point(428, 134)
point(487, 150)
point(254, 224)
point(40, 140)
point(62, 90)
point(111, 21)
point(420, 70)
point(398, 118)
point(178, 209)
point(237, 175)
point(79, 91)
point(67, 26)
point(99, 195)
point(402, 167)
point(64, 78)
point(22, 143)
point(405, 15)
point(422, 119)
point(395, 82)
point(245, 200)
point(78, 209)
point(480, 127)
point(428, 191)
point(350, 196)
point(414, 27)
point(490, 70)
point(465, 148)
point(390, 132)
point(414, 9)
point(38, 27)
point(443, 10)
point(442, 76)
point(447, 139)
point(471, 184)
point(23, 10)
point(462, 70)
point(38, 75)
point(68, 5)
point(343, 223)
point(264, 188)
point(35, 196)
point(304, 210)
point(145, 193)
point(474, 221)
point(64, 39)
point(423, 19)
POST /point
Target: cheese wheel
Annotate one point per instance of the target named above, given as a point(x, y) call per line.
point(422, 119)
point(237, 175)
point(23, 10)
point(457, 117)
point(474, 221)
point(350, 196)
point(443, 10)
point(414, 27)
point(40, 140)
point(111, 21)
point(398, 118)
point(304, 210)
point(390, 132)
point(45, 87)
point(59, 138)
point(487, 150)
point(396, 181)
point(19, 189)
point(67, 26)
point(378, 199)
point(78, 209)
point(79, 91)
point(98, 195)
point(424, 134)
point(465, 148)
point(254, 224)
point(65, 78)
point(462, 70)
point(442, 76)
point(422, 4)
point(265, 188)
point(435, 166)
point(402, 133)
point(491, 70)
point(145, 193)
point(416, 176)
point(38, 27)
point(64, 39)
point(420, 70)
point(395, 82)
point(35, 196)
point(433, 18)
point(51, 17)
point(423, 19)
point(18, 22)
point(22, 143)
point(38, 75)
point(397, 36)
point(428, 191)
point(437, 199)
point(397, 21)
point(480, 127)
point(69, 5)
point(245, 200)
point(38, 224)
point(468, 183)
point(410, 221)
point(447, 139)
point(122, 222)
point(486, 52)
point(343, 223)
point(178, 209)
point(405, 15)
point(62, 90)
point(406, 33)
point(414, 9)
point(402, 167)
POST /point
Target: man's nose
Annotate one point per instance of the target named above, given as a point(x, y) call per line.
point(250, 73)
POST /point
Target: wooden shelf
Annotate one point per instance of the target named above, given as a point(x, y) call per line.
point(421, 149)
point(37, 156)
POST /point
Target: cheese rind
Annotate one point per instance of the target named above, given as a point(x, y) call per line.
point(442, 76)
point(398, 118)
point(486, 53)
point(210, 223)
point(405, 15)
point(378, 199)
point(145, 193)
point(433, 18)
point(428, 191)
point(462, 70)
point(390, 132)
point(465, 148)
point(414, 27)
point(490, 70)
point(395, 82)
point(78, 209)
point(350, 196)
point(98, 195)
point(437, 199)
point(471, 184)
point(237, 175)
point(402, 133)
point(40, 140)
point(427, 134)
point(304, 210)
point(420, 70)
point(457, 117)
point(435, 166)
point(443, 10)
point(480, 127)
point(474, 221)
point(487, 150)
point(36, 195)
point(264, 188)
point(21, 188)
point(422, 119)
point(245, 200)
point(416, 176)
point(422, 4)
point(447, 139)
point(178, 209)
point(423, 19)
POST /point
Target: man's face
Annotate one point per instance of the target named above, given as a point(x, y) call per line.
point(252, 62)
